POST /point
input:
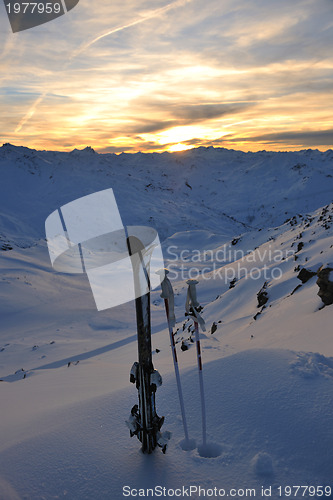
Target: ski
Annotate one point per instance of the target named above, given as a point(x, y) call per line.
point(144, 421)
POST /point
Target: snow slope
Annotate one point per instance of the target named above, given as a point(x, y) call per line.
point(267, 370)
point(270, 408)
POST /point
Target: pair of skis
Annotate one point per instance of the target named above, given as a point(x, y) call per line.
point(144, 421)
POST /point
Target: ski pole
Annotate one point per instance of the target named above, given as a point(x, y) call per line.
point(168, 296)
point(192, 306)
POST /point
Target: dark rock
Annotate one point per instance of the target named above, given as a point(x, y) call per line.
point(184, 347)
point(262, 296)
point(213, 328)
point(325, 285)
point(304, 275)
point(6, 246)
point(300, 246)
point(232, 283)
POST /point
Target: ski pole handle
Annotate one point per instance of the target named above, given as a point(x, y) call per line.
point(168, 295)
point(192, 304)
point(193, 292)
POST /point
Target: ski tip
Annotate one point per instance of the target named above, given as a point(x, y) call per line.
point(163, 272)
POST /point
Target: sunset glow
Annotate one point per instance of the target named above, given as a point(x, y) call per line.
point(178, 147)
point(171, 76)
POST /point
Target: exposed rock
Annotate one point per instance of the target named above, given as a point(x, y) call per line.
point(5, 247)
point(304, 275)
point(232, 283)
point(300, 246)
point(262, 296)
point(325, 283)
point(259, 312)
point(213, 328)
point(184, 347)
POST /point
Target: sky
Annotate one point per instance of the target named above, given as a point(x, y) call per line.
point(128, 76)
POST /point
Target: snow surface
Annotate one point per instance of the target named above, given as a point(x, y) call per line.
point(268, 371)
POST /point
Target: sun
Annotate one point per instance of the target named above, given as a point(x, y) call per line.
point(178, 147)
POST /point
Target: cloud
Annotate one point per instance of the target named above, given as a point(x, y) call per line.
point(30, 113)
point(148, 127)
point(182, 115)
point(224, 70)
point(197, 112)
point(311, 138)
point(146, 17)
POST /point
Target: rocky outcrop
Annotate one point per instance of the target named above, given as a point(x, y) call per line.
point(262, 296)
point(325, 283)
point(213, 328)
point(304, 275)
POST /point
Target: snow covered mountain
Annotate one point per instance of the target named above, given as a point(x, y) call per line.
point(221, 190)
point(255, 229)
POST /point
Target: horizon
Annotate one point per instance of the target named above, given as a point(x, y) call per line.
point(171, 76)
point(96, 151)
